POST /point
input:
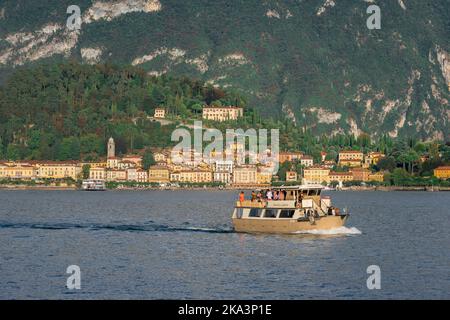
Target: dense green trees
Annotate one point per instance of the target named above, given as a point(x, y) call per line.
point(148, 160)
point(68, 111)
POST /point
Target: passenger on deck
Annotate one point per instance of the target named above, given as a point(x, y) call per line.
point(253, 196)
point(269, 195)
point(259, 196)
point(276, 195)
point(241, 196)
point(281, 195)
point(290, 196)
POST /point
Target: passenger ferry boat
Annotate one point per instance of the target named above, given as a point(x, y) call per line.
point(93, 185)
point(302, 209)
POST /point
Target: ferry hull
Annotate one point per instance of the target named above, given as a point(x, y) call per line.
point(287, 226)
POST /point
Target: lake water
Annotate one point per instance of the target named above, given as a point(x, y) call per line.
point(180, 245)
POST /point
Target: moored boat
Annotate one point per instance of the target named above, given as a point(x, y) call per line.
point(93, 185)
point(301, 208)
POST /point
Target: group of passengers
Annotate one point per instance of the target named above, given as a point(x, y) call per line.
point(270, 195)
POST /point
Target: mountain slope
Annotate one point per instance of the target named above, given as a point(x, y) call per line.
point(313, 60)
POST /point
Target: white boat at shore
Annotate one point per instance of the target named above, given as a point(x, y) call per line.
point(93, 185)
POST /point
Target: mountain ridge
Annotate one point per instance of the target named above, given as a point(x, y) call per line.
point(312, 61)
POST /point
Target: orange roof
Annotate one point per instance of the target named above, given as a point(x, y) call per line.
point(443, 168)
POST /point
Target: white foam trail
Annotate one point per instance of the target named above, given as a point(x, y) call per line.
point(340, 230)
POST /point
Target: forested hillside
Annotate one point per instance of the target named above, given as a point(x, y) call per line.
point(67, 111)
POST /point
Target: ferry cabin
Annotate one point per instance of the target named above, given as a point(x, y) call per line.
point(302, 209)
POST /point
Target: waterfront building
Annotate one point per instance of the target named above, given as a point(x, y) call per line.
point(17, 171)
point(141, 175)
point(264, 177)
point(223, 170)
point(442, 172)
point(316, 175)
point(175, 176)
point(360, 174)
point(132, 174)
point(97, 173)
point(340, 176)
point(116, 175)
point(222, 113)
point(158, 174)
point(196, 175)
point(245, 175)
point(58, 169)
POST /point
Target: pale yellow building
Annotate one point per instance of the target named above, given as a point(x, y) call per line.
point(196, 176)
point(158, 174)
point(264, 177)
point(350, 163)
point(442, 172)
point(17, 171)
point(245, 175)
point(98, 173)
point(352, 158)
point(116, 175)
point(160, 113)
point(316, 175)
point(340, 176)
point(222, 113)
point(59, 169)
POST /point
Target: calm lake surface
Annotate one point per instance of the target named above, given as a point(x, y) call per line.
point(180, 245)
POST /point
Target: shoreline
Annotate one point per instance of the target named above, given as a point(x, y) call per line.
point(353, 188)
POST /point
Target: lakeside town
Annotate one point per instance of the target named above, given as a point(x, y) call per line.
point(351, 167)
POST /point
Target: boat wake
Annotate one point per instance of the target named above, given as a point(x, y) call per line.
point(114, 227)
point(334, 231)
